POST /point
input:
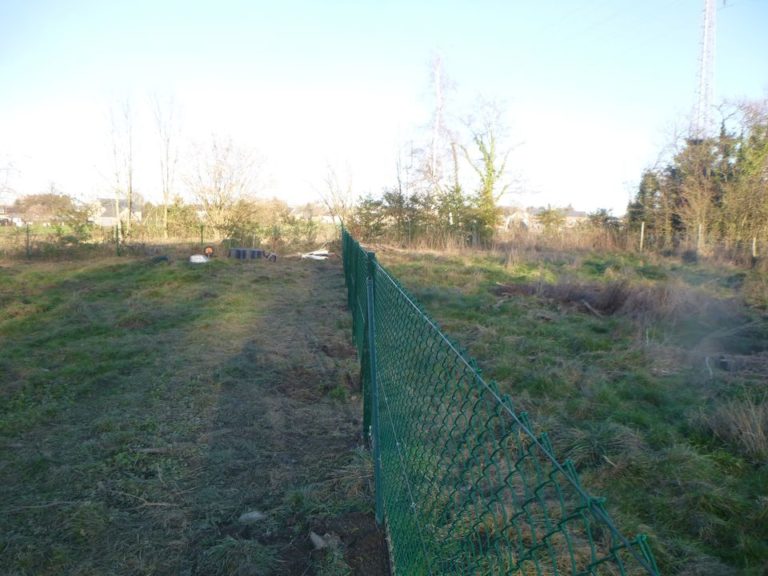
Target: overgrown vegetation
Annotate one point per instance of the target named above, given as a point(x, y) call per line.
point(708, 197)
point(269, 224)
point(648, 373)
point(160, 418)
point(713, 192)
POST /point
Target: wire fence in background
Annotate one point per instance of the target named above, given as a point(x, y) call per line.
point(463, 485)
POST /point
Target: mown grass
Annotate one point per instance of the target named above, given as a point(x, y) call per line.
point(146, 406)
point(651, 375)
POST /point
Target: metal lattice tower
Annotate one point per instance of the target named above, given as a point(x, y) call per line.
point(700, 125)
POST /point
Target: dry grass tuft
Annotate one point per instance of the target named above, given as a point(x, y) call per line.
point(600, 299)
point(743, 424)
point(673, 301)
point(599, 444)
point(670, 303)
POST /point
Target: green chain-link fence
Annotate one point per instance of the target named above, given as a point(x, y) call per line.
point(463, 484)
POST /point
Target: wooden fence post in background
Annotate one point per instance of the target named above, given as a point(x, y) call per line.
point(700, 239)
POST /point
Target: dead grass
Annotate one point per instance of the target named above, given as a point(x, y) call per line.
point(661, 311)
point(599, 443)
point(742, 424)
point(660, 302)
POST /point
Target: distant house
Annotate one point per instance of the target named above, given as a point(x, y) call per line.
point(313, 211)
point(104, 212)
point(526, 218)
point(516, 218)
point(10, 218)
point(574, 217)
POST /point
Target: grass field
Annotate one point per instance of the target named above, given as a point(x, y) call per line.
point(651, 375)
point(160, 418)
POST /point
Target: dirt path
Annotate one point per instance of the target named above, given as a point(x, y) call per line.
point(159, 419)
point(287, 430)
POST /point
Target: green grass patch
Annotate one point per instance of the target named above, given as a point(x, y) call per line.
point(145, 407)
point(649, 374)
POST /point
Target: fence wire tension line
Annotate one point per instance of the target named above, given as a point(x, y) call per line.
point(462, 484)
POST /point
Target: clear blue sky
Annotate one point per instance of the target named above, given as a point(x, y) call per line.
point(591, 90)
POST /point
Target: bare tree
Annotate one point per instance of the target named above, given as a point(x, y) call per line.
point(337, 195)
point(122, 155)
point(225, 178)
point(117, 172)
point(431, 159)
point(5, 177)
point(129, 163)
point(698, 190)
point(167, 132)
point(434, 165)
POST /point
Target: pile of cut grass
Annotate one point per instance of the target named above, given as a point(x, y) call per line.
point(650, 375)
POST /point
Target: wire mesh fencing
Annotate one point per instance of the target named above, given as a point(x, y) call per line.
point(463, 485)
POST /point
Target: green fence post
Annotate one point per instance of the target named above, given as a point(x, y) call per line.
point(374, 386)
